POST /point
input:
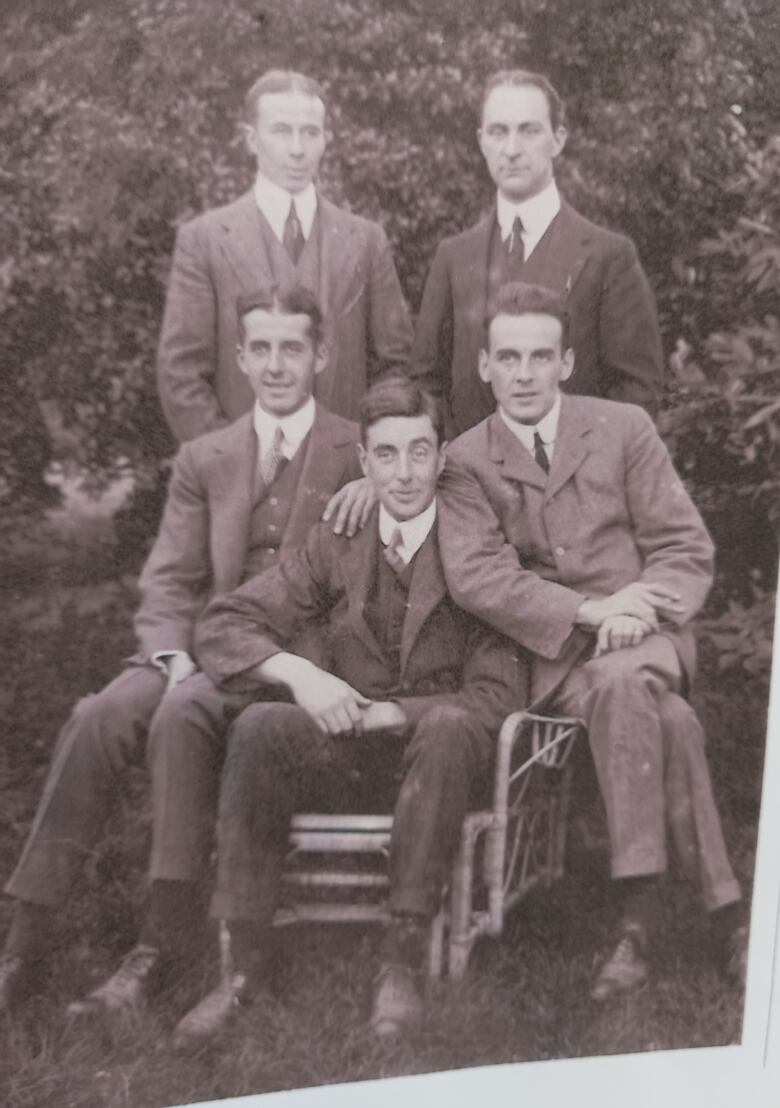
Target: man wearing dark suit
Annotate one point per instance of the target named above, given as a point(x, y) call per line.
point(413, 684)
point(565, 526)
point(237, 498)
point(534, 236)
point(283, 231)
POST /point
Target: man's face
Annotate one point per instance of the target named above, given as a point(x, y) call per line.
point(518, 141)
point(288, 138)
point(280, 360)
point(403, 460)
point(524, 364)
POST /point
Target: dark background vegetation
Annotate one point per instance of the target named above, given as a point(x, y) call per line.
point(118, 121)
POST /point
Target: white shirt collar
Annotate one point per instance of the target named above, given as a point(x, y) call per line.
point(547, 428)
point(295, 427)
point(274, 202)
point(414, 531)
point(536, 213)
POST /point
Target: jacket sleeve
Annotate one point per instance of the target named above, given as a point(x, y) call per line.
point(495, 682)
point(433, 339)
point(187, 351)
point(630, 353)
point(177, 576)
point(389, 325)
point(240, 630)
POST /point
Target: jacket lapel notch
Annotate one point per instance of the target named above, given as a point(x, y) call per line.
point(243, 244)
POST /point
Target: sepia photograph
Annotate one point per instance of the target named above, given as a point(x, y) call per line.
point(390, 484)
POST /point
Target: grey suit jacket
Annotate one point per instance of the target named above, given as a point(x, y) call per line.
point(523, 552)
point(220, 255)
point(614, 325)
point(202, 543)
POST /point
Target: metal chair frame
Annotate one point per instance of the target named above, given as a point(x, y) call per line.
point(504, 851)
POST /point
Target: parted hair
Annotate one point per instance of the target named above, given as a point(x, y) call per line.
point(289, 300)
point(395, 395)
point(519, 78)
point(519, 298)
point(279, 80)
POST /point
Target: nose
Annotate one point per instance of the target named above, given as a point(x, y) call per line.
point(404, 471)
point(296, 145)
point(274, 360)
point(513, 144)
point(523, 371)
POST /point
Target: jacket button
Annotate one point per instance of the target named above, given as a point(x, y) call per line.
point(273, 501)
point(560, 550)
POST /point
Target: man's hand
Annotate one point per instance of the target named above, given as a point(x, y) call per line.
point(382, 715)
point(349, 508)
point(619, 631)
point(334, 705)
point(640, 599)
point(178, 666)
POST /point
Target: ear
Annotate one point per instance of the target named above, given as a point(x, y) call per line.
point(560, 135)
point(249, 137)
point(322, 358)
point(480, 141)
point(362, 457)
point(484, 366)
point(240, 358)
point(442, 459)
point(568, 364)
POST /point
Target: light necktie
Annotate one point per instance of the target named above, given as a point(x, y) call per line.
point(515, 245)
point(392, 557)
point(273, 459)
point(540, 454)
point(292, 236)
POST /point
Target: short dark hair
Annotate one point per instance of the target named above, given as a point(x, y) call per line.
point(518, 78)
point(395, 395)
point(279, 80)
point(291, 300)
point(517, 298)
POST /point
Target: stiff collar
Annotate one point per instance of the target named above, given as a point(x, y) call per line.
point(547, 428)
point(414, 531)
point(536, 214)
point(295, 427)
point(274, 202)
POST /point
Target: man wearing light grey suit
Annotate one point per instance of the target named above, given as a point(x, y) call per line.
point(237, 499)
point(282, 231)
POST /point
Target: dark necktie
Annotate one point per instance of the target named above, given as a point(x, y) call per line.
point(273, 459)
point(392, 557)
point(540, 453)
point(514, 244)
point(292, 237)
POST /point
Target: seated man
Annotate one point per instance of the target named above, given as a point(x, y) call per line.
point(565, 526)
point(237, 496)
point(412, 680)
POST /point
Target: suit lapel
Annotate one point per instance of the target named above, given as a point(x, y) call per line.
point(427, 589)
point(511, 457)
point(243, 245)
point(323, 469)
point(337, 254)
point(571, 444)
point(476, 262)
point(359, 566)
point(232, 477)
point(567, 251)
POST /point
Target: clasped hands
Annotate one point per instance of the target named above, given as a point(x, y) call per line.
point(627, 616)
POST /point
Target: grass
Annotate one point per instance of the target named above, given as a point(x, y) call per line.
point(525, 997)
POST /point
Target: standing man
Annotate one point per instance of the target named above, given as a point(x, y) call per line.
point(565, 526)
point(237, 498)
point(282, 232)
point(534, 236)
point(414, 686)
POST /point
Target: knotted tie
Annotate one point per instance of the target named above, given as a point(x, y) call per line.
point(292, 237)
point(392, 557)
point(540, 454)
point(515, 245)
point(273, 459)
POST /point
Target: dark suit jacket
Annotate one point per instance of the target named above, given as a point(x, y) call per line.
point(220, 255)
point(614, 326)
point(447, 657)
point(523, 553)
point(201, 546)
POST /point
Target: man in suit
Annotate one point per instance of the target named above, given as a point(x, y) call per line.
point(412, 685)
point(565, 526)
point(237, 498)
point(282, 231)
point(532, 235)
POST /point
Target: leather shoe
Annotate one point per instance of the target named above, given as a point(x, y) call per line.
point(212, 1014)
point(397, 1001)
point(625, 969)
point(126, 989)
point(17, 976)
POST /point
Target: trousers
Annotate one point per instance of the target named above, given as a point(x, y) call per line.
point(278, 762)
point(182, 734)
point(648, 749)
